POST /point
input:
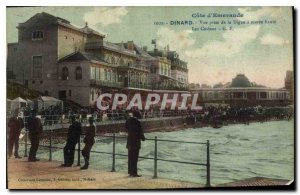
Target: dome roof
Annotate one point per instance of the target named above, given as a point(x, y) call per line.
point(240, 81)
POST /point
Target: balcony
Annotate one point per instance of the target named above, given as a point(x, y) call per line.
point(107, 83)
point(139, 85)
point(141, 66)
point(134, 67)
point(110, 46)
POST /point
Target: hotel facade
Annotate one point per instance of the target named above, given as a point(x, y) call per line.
point(58, 59)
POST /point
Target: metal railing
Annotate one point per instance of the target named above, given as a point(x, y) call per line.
point(106, 83)
point(114, 154)
point(107, 118)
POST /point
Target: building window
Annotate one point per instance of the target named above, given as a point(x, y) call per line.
point(37, 35)
point(37, 67)
point(102, 74)
point(113, 60)
point(112, 76)
point(105, 74)
point(122, 62)
point(109, 59)
point(153, 69)
point(98, 74)
point(109, 75)
point(92, 93)
point(129, 63)
point(70, 92)
point(78, 73)
point(65, 74)
point(93, 73)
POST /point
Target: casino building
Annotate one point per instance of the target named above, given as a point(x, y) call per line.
point(58, 59)
point(242, 92)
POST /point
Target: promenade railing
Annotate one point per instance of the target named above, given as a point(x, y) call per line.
point(50, 146)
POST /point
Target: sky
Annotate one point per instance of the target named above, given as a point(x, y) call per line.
point(261, 51)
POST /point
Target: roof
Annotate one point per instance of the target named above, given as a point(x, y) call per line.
point(139, 50)
point(28, 100)
point(19, 99)
point(82, 56)
point(118, 48)
point(63, 22)
point(76, 56)
point(49, 99)
point(89, 30)
point(240, 81)
point(241, 88)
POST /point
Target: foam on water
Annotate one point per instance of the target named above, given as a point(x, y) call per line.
point(237, 152)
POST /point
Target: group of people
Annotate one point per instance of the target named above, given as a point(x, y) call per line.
point(239, 114)
point(73, 137)
point(134, 137)
point(35, 130)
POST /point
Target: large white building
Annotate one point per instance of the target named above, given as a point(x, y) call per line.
point(56, 58)
point(241, 92)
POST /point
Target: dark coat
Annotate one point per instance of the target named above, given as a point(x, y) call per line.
point(90, 135)
point(74, 133)
point(15, 126)
point(135, 133)
point(35, 127)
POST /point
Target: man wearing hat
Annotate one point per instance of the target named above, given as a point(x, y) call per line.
point(134, 137)
point(35, 130)
point(15, 125)
point(89, 141)
point(72, 139)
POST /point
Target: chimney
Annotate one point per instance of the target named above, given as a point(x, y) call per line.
point(130, 45)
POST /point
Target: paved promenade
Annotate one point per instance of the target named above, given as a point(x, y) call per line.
point(50, 175)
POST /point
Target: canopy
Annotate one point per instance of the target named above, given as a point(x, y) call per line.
point(17, 104)
point(8, 105)
point(47, 101)
point(19, 100)
point(30, 103)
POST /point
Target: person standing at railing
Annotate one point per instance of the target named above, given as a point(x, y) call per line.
point(134, 137)
point(72, 139)
point(15, 125)
point(35, 130)
point(89, 141)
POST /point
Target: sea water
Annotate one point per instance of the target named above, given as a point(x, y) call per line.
point(236, 152)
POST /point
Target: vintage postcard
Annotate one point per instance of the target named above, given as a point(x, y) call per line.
point(150, 98)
